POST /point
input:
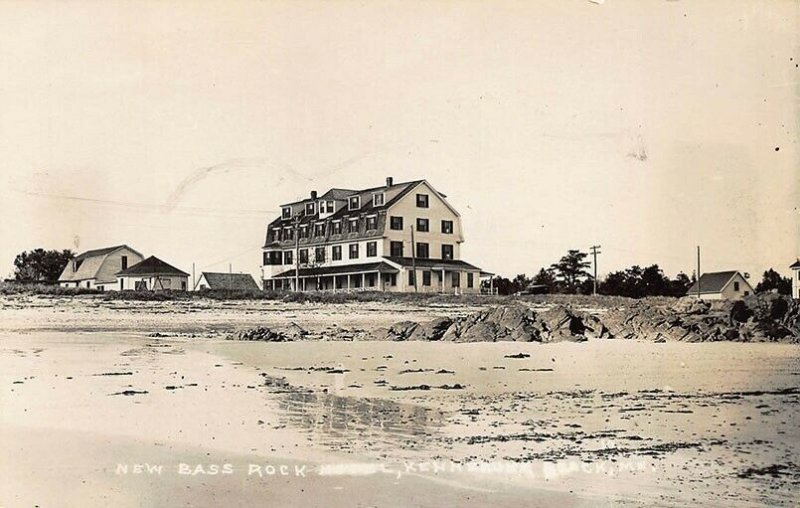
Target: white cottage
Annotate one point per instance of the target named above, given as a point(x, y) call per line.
point(152, 274)
point(730, 285)
point(795, 279)
point(97, 269)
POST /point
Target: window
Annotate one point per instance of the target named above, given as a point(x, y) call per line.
point(319, 229)
point(396, 249)
point(272, 258)
point(736, 286)
point(411, 278)
point(747, 293)
point(288, 234)
point(276, 234)
point(319, 254)
point(309, 208)
point(377, 199)
point(426, 278)
point(286, 212)
point(456, 279)
point(288, 257)
point(422, 201)
point(326, 207)
point(396, 223)
point(354, 203)
point(353, 251)
point(101, 288)
point(372, 249)
point(304, 256)
point(303, 231)
point(422, 250)
point(336, 253)
point(423, 226)
point(372, 223)
point(124, 262)
point(336, 227)
point(470, 280)
point(352, 226)
point(447, 251)
point(265, 258)
point(447, 227)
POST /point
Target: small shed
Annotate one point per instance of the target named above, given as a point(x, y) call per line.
point(235, 281)
point(152, 274)
point(730, 285)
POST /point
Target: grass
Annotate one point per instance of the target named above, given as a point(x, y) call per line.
point(11, 288)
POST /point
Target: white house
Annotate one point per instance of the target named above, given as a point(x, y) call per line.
point(730, 285)
point(395, 237)
point(98, 268)
point(795, 279)
point(152, 274)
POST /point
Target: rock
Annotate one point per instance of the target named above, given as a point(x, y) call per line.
point(401, 330)
point(296, 332)
point(263, 334)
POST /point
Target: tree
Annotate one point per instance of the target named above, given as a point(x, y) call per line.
point(774, 280)
point(41, 265)
point(638, 282)
point(571, 270)
point(546, 278)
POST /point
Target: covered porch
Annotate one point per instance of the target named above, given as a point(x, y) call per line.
point(365, 277)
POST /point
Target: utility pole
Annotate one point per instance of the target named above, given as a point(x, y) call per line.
point(193, 281)
point(414, 259)
point(297, 253)
point(698, 271)
point(595, 252)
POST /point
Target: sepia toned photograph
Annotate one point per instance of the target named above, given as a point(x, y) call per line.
point(336, 253)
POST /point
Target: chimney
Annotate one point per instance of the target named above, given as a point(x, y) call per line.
point(389, 181)
point(313, 194)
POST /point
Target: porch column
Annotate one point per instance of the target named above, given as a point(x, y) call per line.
point(444, 280)
point(348, 280)
point(363, 281)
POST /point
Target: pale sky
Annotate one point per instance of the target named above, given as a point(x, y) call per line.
point(178, 128)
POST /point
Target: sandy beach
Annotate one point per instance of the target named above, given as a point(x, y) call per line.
point(104, 414)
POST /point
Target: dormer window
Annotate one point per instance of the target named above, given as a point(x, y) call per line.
point(378, 199)
point(352, 226)
point(286, 212)
point(354, 203)
point(372, 223)
point(326, 207)
point(310, 208)
point(319, 229)
point(336, 227)
point(303, 231)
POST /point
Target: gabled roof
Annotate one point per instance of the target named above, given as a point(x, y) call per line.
point(713, 282)
point(89, 263)
point(152, 266)
point(796, 264)
point(217, 280)
point(102, 252)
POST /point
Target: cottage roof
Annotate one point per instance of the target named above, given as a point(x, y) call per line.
point(89, 263)
point(713, 282)
point(217, 280)
point(152, 266)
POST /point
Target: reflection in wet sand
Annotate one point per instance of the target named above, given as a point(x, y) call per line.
point(365, 425)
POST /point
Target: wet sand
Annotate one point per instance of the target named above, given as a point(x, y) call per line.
point(600, 423)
